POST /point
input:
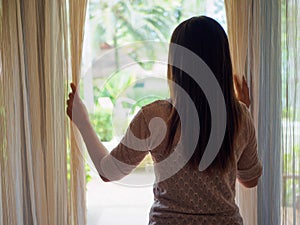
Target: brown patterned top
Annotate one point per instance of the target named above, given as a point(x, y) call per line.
point(188, 196)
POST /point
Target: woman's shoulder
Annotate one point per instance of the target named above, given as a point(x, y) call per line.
point(157, 108)
point(246, 121)
point(164, 103)
point(244, 110)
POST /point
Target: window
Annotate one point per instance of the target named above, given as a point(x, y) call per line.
point(116, 83)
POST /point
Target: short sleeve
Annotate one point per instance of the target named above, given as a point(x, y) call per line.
point(129, 152)
point(249, 166)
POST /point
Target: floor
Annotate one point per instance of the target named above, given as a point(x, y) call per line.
point(127, 202)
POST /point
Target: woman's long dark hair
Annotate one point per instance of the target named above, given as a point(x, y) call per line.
point(206, 38)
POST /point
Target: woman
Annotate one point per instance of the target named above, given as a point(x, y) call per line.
point(188, 195)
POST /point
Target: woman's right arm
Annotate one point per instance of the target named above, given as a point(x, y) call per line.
point(249, 167)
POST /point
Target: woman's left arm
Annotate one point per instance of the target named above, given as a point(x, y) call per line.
point(77, 112)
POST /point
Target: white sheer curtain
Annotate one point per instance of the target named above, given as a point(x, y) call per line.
point(254, 36)
point(291, 112)
point(269, 112)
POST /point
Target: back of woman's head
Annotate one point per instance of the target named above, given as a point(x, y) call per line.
point(206, 38)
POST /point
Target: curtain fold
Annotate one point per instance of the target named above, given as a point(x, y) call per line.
point(243, 30)
point(34, 68)
point(77, 204)
point(254, 36)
